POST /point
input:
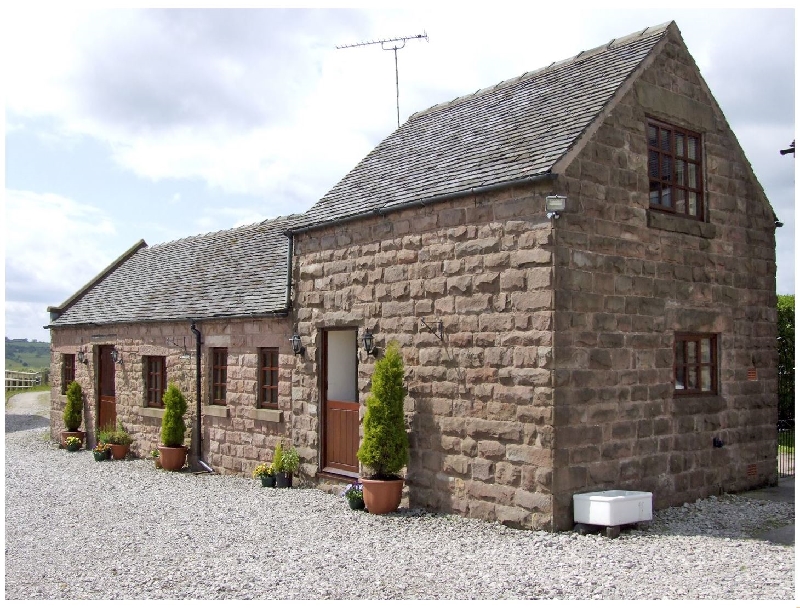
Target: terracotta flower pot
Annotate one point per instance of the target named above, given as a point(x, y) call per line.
point(119, 451)
point(67, 434)
point(382, 496)
point(172, 459)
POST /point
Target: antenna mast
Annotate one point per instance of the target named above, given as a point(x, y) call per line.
point(395, 48)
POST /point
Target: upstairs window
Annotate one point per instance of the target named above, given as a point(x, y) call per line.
point(268, 377)
point(695, 364)
point(155, 380)
point(675, 170)
point(219, 376)
point(67, 372)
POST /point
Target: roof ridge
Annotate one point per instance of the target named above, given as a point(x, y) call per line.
point(613, 43)
point(276, 220)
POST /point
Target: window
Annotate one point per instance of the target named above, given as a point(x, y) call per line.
point(219, 376)
point(268, 377)
point(155, 380)
point(67, 372)
point(695, 364)
point(675, 170)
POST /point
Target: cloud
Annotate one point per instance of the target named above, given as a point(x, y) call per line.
point(53, 244)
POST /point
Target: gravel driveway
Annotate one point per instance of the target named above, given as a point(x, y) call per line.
point(80, 529)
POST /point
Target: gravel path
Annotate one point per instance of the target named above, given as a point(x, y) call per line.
point(80, 529)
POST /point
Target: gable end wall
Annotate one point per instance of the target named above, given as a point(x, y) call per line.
point(627, 279)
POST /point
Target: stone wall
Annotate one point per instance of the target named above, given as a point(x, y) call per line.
point(628, 278)
point(479, 406)
point(236, 437)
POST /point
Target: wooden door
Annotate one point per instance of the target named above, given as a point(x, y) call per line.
point(107, 414)
point(340, 437)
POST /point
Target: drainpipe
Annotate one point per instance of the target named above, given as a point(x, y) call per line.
point(199, 387)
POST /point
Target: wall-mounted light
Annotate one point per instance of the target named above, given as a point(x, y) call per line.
point(554, 205)
point(369, 342)
point(297, 345)
point(116, 356)
point(81, 355)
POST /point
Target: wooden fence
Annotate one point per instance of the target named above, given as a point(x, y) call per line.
point(15, 380)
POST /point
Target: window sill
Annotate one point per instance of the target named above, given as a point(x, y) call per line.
point(675, 223)
point(220, 411)
point(266, 415)
point(152, 412)
point(697, 404)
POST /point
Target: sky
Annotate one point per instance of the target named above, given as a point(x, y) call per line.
point(159, 124)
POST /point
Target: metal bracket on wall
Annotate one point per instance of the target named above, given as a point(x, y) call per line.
point(438, 332)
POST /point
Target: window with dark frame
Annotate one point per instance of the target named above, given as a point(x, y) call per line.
point(695, 364)
point(675, 169)
point(156, 380)
point(219, 376)
point(268, 378)
point(67, 372)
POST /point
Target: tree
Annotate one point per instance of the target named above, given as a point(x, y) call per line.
point(785, 357)
point(385, 445)
point(73, 410)
point(173, 428)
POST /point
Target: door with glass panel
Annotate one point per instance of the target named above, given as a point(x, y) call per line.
point(340, 424)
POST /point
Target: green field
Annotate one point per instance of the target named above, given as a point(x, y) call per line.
point(28, 356)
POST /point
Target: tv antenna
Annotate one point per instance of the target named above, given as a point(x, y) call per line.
point(395, 48)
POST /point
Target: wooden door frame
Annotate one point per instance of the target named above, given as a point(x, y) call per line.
point(99, 383)
point(323, 401)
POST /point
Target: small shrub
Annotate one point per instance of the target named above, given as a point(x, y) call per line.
point(73, 411)
point(173, 428)
point(277, 459)
point(104, 434)
point(290, 461)
point(384, 449)
point(120, 436)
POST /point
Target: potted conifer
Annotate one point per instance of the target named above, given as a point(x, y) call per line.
point(173, 430)
point(384, 449)
point(73, 414)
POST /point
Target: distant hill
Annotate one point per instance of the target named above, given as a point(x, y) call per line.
point(27, 355)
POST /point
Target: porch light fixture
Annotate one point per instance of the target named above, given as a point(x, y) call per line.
point(554, 205)
point(297, 345)
point(116, 356)
point(369, 342)
point(81, 355)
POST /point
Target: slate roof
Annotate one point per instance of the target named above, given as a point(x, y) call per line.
point(514, 130)
point(235, 272)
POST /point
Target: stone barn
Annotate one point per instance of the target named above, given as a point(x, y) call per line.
point(578, 265)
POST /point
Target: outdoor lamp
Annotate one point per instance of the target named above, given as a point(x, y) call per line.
point(369, 342)
point(554, 205)
point(297, 345)
point(81, 356)
point(116, 356)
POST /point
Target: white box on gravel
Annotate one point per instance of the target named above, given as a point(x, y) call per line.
point(613, 507)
